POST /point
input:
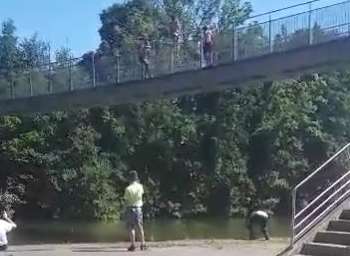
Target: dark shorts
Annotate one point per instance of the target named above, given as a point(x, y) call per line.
point(259, 221)
point(134, 217)
point(176, 37)
point(207, 48)
point(3, 247)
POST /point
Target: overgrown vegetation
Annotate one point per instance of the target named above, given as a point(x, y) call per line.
point(215, 154)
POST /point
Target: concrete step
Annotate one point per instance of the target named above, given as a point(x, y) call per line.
point(345, 215)
point(322, 249)
point(333, 237)
point(339, 225)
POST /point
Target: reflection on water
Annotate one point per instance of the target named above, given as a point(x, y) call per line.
point(156, 230)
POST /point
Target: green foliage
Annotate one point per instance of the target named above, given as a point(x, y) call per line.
point(214, 154)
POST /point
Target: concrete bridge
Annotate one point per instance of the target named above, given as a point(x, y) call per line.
point(282, 48)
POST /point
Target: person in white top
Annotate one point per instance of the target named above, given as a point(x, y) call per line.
point(134, 216)
point(175, 32)
point(6, 225)
point(258, 218)
point(175, 29)
point(144, 52)
point(208, 44)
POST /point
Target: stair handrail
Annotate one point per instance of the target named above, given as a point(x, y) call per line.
point(321, 167)
point(304, 181)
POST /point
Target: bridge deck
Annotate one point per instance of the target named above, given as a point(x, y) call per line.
point(329, 55)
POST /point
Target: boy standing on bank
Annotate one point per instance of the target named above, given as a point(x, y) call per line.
point(134, 215)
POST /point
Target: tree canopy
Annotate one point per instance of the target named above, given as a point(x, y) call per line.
point(211, 154)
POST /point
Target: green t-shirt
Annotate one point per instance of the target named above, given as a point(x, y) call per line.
point(133, 195)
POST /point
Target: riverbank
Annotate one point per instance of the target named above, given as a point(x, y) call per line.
point(183, 248)
point(158, 230)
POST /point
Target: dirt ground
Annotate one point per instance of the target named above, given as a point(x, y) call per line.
point(180, 248)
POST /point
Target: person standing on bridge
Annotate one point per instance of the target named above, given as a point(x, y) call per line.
point(134, 216)
point(258, 219)
point(175, 32)
point(144, 51)
point(208, 44)
point(6, 225)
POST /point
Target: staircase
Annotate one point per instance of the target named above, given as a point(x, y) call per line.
point(335, 241)
point(320, 223)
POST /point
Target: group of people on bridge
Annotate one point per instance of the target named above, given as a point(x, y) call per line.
point(144, 47)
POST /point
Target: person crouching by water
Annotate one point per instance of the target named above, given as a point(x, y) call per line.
point(258, 219)
point(6, 225)
point(134, 216)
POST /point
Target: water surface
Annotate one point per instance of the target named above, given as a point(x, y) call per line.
point(156, 230)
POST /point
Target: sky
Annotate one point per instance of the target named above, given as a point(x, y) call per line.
point(75, 23)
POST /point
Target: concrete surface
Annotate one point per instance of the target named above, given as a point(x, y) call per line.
point(182, 248)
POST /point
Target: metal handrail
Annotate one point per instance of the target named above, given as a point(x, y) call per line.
point(295, 225)
point(301, 233)
point(239, 27)
point(282, 9)
point(322, 204)
point(321, 167)
point(322, 194)
point(230, 49)
point(293, 15)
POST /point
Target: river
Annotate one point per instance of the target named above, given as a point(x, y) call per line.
point(156, 230)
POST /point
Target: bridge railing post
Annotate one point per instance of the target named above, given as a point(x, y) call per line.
point(12, 87)
point(50, 78)
point(93, 70)
point(200, 50)
point(310, 38)
point(234, 43)
point(348, 21)
point(117, 66)
point(70, 80)
point(172, 58)
point(30, 83)
point(270, 35)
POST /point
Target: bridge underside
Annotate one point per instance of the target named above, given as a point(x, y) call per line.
point(329, 56)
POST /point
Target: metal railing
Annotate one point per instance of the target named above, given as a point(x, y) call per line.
point(320, 193)
point(255, 39)
point(269, 14)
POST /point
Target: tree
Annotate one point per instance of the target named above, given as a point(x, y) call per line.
point(9, 57)
point(233, 13)
point(34, 52)
point(63, 55)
